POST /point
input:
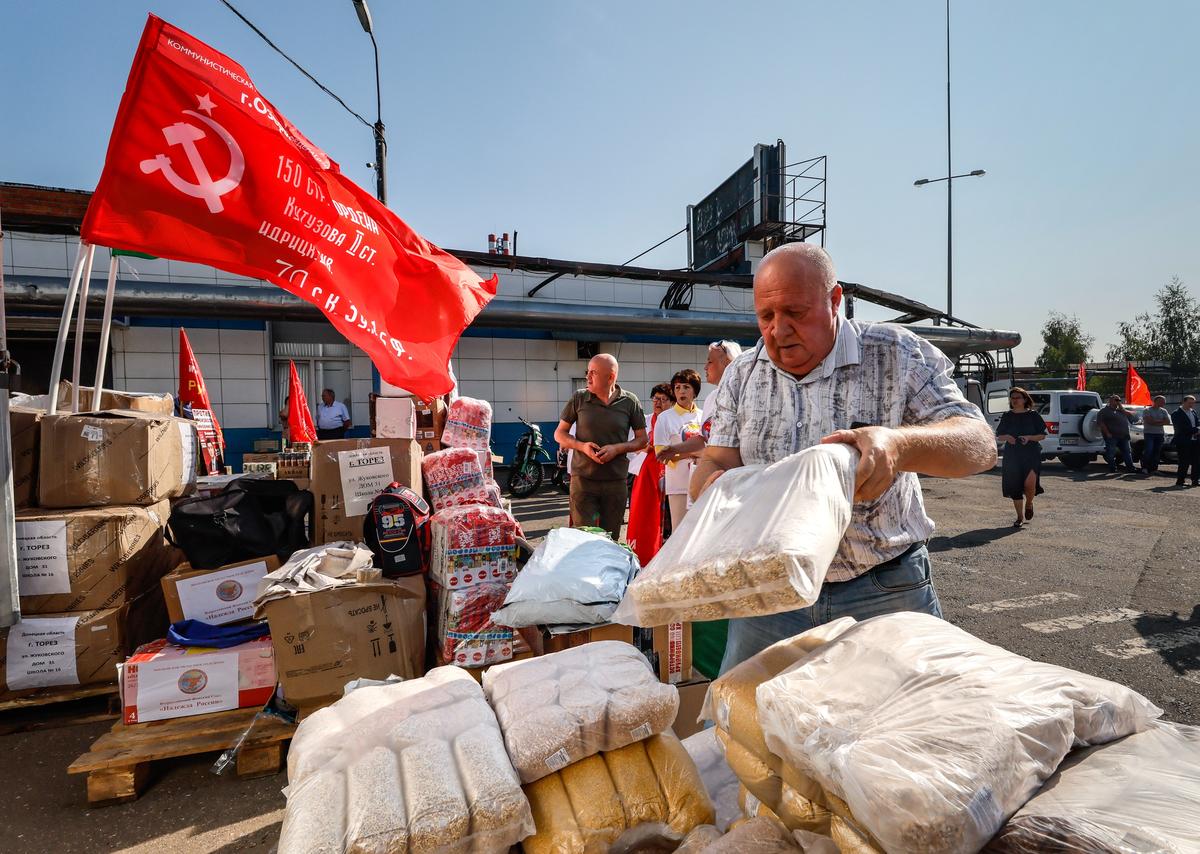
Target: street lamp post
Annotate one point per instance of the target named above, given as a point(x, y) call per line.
point(364, 18)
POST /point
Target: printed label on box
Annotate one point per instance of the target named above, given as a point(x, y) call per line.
point(223, 596)
point(183, 686)
point(92, 433)
point(365, 472)
point(675, 653)
point(41, 653)
point(42, 558)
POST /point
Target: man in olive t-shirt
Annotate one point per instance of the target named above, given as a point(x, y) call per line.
point(603, 415)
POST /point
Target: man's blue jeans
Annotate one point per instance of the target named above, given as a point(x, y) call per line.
point(1111, 446)
point(902, 584)
point(1152, 450)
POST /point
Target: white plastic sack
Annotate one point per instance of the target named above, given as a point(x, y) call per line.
point(557, 709)
point(719, 779)
point(932, 737)
point(414, 767)
point(573, 578)
point(759, 541)
point(1139, 795)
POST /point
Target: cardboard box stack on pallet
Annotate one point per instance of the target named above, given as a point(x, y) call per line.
point(93, 493)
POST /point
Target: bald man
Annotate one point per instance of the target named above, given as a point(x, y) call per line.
point(816, 377)
point(603, 415)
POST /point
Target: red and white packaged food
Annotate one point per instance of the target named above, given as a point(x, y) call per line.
point(468, 424)
point(455, 478)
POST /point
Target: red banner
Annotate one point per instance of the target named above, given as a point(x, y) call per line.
point(300, 423)
point(201, 167)
point(644, 531)
point(193, 397)
point(1137, 393)
point(1081, 378)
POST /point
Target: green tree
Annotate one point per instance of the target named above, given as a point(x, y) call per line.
point(1171, 334)
point(1064, 343)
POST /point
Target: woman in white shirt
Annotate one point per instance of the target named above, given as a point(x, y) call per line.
point(675, 426)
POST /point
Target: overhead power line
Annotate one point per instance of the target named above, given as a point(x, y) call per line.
point(299, 67)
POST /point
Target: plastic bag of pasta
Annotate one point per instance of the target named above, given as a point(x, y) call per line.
point(418, 766)
point(759, 541)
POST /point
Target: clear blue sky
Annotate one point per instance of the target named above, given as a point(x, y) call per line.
point(589, 127)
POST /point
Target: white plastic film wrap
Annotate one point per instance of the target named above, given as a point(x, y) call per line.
point(417, 766)
point(932, 737)
point(719, 780)
point(557, 709)
point(1139, 795)
point(759, 541)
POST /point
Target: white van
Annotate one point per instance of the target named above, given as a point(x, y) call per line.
point(1065, 412)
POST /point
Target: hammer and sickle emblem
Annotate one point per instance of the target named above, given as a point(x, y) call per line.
point(186, 135)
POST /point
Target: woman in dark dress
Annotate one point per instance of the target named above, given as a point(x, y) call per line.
point(1021, 430)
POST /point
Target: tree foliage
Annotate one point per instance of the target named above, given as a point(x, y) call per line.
point(1171, 334)
point(1064, 343)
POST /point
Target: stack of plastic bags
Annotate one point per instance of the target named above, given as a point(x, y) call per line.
point(759, 541)
point(416, 767)
point(924, 738)
point(455, 479)
point(588, 730)
point(473, 554)
point(469, 425)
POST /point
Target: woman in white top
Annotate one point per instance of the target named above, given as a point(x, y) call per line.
point(675, 426)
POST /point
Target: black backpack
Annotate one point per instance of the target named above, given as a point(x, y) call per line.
point(250, 518)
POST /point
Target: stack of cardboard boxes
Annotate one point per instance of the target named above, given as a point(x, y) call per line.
point(94, 491)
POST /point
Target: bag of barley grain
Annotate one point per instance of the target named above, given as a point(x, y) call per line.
point(759, 541)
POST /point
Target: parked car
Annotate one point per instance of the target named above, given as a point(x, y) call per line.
point(1070, 415)
point(1137, 437)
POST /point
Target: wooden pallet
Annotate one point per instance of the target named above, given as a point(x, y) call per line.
point(118, 764)
point(46, 696)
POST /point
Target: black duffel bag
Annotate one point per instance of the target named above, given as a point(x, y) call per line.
point(250, 518)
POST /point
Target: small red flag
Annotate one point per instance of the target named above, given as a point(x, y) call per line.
point(1137, 393)
point(1081, 380)
point(202, 168)
point(644, 531)
point(193, 394)
point(300, 423)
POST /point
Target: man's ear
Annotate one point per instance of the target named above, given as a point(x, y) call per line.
point(835, 298)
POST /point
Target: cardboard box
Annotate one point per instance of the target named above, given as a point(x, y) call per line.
point(140, 401)
point(80, 560)
point(392, 417)
point(117, 457)
point(324, 639)
point(162, 680)
point(691, 701)
point(347, 474)
point(61, 649)
point(669, 647)
point(25, 428)
point(215, 596)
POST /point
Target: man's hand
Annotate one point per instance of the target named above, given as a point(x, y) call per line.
point(606, 453)
point(592, 451)
point(879, 451)
point(666, 454)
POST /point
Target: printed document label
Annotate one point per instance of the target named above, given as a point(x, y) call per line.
point(42, 558)
point(365, 472)
point(41, 653)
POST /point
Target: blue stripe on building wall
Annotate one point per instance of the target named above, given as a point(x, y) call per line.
point(199, 323)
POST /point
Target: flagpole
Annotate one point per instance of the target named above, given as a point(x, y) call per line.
point(105, 328)
point(64, 325)
point(79, 327)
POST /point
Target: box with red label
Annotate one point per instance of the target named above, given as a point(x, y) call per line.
point(162, 680)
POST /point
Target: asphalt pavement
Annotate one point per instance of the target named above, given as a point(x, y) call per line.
point(1105, 579)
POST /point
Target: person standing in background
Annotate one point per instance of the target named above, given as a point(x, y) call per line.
point(674, 428)
point(1184, 421)
point(1021, 429)
point(333, 419)
point(1154, 419)
point(1114, 421)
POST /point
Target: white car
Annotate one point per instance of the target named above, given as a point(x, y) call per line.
point(1066, 412)
point(1137, 436)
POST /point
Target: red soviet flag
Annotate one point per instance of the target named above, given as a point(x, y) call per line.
point(202, 168)
point(1137, 393)
point(1081, 378)
point(300, 423)
point(193, 395)
point(644, 531)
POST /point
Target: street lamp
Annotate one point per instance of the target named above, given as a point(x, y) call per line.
point(364, 18)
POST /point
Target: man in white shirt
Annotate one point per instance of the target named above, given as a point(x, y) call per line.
point(333, 419)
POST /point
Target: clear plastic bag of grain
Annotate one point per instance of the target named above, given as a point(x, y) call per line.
point(759, 541)
point(930, 736)
point(560, 708)
point(416, 767)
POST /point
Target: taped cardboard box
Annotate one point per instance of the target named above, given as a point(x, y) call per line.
point(691, 702)
point(347, 474)
point(163, 680)
point(117, 457)
point(24, 426)
point(324, 639)
point(140, 401)
point(54, 650)
point(215, 596)
point(668, 648)
point(80, 560)
point(392, 417)
point(431, 421)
